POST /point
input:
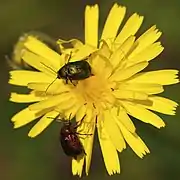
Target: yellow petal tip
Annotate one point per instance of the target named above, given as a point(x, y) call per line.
point(116, 5)
point(16, 125)
point(12, 119)
point(32, 135)
point(138, 16)
point(161, 125)
point(29, 135)
point(88, 7)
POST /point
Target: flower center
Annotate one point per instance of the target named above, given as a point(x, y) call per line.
point(96, 91)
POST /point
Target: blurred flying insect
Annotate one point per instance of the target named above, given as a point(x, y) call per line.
point(16, 62)
point(69, 139)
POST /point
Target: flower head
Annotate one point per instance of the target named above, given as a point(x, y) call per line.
point(116, 90)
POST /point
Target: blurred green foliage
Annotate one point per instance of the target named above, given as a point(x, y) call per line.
point(23, 158)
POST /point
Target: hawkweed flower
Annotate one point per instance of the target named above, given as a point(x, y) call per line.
point(116, 91)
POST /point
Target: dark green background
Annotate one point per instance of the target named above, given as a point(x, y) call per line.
point(22, 158)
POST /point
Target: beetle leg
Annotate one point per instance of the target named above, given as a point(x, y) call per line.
point(84, 134)
point(69, 79)
point(78, 124)
point(58, 119)
point(66, 80)
point(72, 82)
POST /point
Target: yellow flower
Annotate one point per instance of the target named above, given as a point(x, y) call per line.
point(116, 91)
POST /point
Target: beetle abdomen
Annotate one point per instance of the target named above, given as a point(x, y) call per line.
point(71, 145)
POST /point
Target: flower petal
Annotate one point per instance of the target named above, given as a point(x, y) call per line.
point(39, 48)
point(135, 142)
point(113, 21)
point(91, 25)
point(113, 131)
point(81, 112)
point(70, 111)
point(143, 114)
point(121, 115)
point(128, 94)
point(142, 87)
point(66, 104)
point(101, 66)
point(83, 53)
point(88, 149)
point(162, 105)
point(50, 102)
point(146, 39)
point(77, 166)
point(24, 117)
point(126, 73)
point(120, 53)
point(130, 28)
point(76, 43)
point(104, 50)
point(69, 108)
point(23, 77)
point(42, 123)
point(86, 124)
point(147, 54)
point(86, 127)
point(55, 87)
point(88, 144)
point(163, 77)
point(109, 152)
point(40, 63)
point(24, 98)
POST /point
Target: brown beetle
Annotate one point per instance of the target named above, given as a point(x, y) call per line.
point(69, 139)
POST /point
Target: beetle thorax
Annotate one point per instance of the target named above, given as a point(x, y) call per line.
point(62, 73)
point(66, 130)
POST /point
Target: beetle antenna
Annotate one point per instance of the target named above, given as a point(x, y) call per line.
point(50, 84)
point(70, 117)
point(57, 119)
point(53, 80)
point(78, 124)
point(70, 55)
point(49, 67)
